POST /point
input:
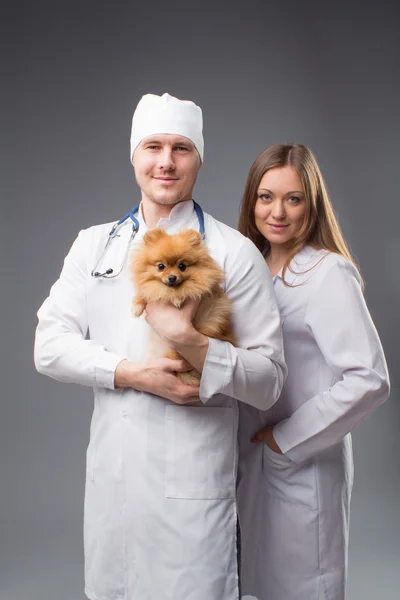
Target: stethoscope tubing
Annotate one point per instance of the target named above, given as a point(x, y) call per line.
point(109, 273)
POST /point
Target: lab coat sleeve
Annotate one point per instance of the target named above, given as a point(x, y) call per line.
point(61, 349)
point(346, 336)
point(253, 372)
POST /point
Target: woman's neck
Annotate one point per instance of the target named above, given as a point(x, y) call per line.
point(276, 258)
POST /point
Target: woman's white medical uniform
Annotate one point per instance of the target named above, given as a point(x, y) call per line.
point(337, 376)
point(160, 500)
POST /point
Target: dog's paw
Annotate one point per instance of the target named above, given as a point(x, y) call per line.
point(190, 377)
point(177, 302)
point(138, 307)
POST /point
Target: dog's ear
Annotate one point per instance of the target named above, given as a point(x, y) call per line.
point(153, 235)
point(192, 237)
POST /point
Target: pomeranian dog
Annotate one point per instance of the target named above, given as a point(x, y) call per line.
point(174, 268)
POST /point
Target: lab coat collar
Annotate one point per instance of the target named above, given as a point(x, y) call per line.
point(181, 212)
point(300, 264)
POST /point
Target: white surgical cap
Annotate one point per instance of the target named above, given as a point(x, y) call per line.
point(166, 114)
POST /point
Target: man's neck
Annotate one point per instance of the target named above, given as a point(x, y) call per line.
point(153, 212)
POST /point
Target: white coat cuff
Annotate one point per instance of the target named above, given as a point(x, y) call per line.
point(284, 445)
point(217, 370)
point(106, 365)
point(279, 437)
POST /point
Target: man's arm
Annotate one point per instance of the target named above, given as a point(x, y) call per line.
point(157, 377)
point(61, 349)
point(255, 371)
point(63, 352)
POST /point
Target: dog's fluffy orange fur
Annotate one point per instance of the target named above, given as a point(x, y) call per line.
point(174, 268)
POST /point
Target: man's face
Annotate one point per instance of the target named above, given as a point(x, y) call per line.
point(166, 168)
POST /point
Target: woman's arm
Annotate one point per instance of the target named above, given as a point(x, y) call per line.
point(343, 329)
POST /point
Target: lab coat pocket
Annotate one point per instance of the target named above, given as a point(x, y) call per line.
point(290, 528)
point(201, 452)
point(290, 482)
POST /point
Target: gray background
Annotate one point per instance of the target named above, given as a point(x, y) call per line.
point(323, 74)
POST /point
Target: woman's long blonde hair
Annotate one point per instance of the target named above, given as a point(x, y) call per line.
point(320, 228)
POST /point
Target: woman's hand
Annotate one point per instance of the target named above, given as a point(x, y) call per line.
point(266, 435)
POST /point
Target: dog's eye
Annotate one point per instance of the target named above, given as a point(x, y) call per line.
point(160, 267)
point(182, 267)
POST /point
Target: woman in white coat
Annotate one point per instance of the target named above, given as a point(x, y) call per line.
point(337, 376)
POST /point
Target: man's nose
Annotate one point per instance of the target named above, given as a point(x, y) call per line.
point(166, 161)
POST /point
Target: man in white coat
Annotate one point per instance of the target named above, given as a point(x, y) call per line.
point(160, 497)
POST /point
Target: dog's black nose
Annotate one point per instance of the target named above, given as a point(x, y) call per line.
point(171, 279)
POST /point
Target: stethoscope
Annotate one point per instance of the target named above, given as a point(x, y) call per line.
point(109, 273)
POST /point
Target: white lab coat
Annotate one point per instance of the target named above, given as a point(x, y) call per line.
point(160, 498)
point(337, 376)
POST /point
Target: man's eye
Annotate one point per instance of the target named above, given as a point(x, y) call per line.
point(181, 148)
point(182, 267)
point(160, 267)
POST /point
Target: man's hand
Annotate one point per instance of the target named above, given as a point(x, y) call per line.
point(175, 326)
point(157, 377)
point(266, 435)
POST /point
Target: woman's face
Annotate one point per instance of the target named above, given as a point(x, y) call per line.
point(280, 206)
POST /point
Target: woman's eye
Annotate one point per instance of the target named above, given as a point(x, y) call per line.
point(182, 267)
point(265, 197)
point(294, 199)
point(160, 267)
